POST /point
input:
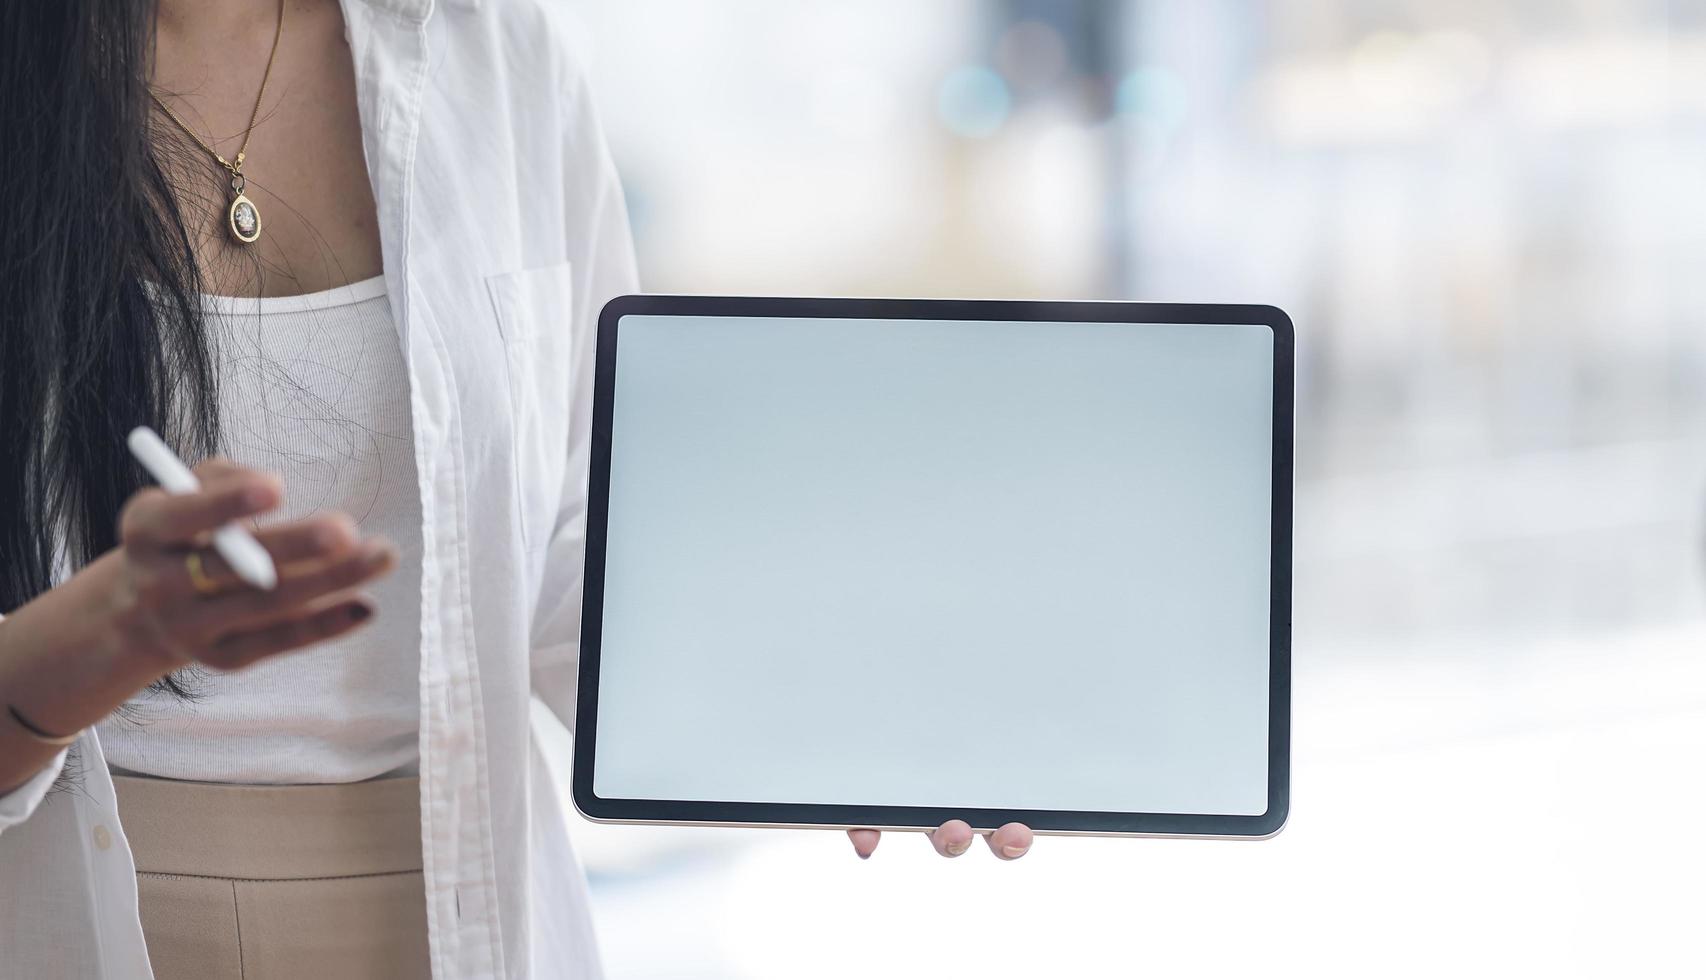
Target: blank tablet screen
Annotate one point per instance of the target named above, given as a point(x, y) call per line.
point(938, 562)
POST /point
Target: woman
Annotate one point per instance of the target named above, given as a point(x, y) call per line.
point(359, 251)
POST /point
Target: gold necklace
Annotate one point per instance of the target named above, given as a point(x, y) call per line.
point(242, 217)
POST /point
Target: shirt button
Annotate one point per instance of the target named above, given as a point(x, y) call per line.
point(103, 837)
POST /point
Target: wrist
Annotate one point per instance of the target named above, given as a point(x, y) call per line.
point(36, 733)
point(67, 658)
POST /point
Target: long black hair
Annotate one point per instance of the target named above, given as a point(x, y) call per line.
point(100, 320)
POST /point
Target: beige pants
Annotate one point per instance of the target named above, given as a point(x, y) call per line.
point(265, 882)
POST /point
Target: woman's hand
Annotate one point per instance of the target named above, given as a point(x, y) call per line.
point(158, 612)
point(953, 838)
point(78, 651)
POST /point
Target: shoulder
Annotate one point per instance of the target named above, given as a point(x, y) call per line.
point(507, 120)
point(514, 66)
point(540, 42)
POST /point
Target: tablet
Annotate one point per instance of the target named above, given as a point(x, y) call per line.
point(887, 563)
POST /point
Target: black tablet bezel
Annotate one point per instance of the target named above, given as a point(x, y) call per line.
point(1266, 824)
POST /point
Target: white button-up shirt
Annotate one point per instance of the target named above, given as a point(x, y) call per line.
point(504, 232)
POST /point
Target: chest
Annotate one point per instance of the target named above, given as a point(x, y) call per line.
point(303, 166)
point(313, 388)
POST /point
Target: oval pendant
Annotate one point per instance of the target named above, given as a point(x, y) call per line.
point(244, 219)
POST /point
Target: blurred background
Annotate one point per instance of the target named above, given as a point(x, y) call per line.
point(1488, 221)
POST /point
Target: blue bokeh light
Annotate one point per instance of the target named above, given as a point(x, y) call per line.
point(973, 101)
point(1155, 94)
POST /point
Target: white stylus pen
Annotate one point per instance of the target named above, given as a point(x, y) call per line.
point(238, 547)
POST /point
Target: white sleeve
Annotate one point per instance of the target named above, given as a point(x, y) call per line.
point(601, 256)
point(16, 806)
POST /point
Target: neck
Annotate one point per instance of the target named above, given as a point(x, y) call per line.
point(214, 18)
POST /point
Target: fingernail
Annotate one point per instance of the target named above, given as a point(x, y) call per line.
point(359, 613)
point(1013, 851)
point(863, 855)
point(959, 848)
point(255, 498)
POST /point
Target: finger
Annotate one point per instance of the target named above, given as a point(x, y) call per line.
point(318, 539)
point(952, 838)
point(864, 841)
point(1009, 842)
point(243, 648)
point(299, 585)
point(216, 467)
point(156, 519)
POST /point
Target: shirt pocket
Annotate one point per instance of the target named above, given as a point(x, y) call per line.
point(534, 309)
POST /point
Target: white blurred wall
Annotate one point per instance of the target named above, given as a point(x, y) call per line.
point(1488, 222)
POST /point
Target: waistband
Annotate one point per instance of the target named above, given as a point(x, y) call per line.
point(223, 830)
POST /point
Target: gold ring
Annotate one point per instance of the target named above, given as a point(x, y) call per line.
point(204, 584)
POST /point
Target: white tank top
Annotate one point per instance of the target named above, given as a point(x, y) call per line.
point(314, 389)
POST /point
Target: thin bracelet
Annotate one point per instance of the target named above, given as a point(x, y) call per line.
point(37, 733)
